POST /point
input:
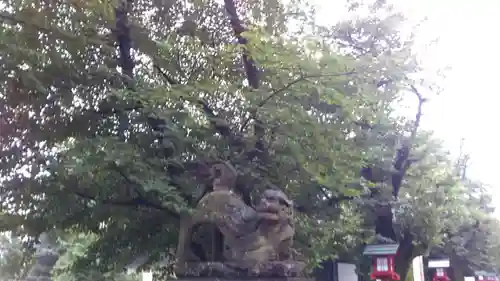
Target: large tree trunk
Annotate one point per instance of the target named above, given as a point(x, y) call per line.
point(405, 257)
point(384, 227)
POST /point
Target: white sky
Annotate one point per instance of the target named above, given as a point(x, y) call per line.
point(466, 108)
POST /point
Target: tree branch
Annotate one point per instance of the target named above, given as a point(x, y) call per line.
point(219, 124)
point(122, 32)
point(134, 202)
point(127, 65)
point(12, 19)
point(402, 161)
point(300, 79)
point(418, 115)
point(137, 200)
point(251, 70)
point(274, 93)
point(253, 77)
point(165, 76)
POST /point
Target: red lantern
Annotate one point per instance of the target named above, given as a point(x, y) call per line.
point(480, 275)
point(491, 277)
point(383, 261)
point(485, 276)
point(440, 275)
point(440, 265)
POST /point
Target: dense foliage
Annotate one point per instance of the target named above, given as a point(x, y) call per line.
point(14, 258)
point(111, 146)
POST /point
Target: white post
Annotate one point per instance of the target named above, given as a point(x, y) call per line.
point(147, 276)
point(418, 269)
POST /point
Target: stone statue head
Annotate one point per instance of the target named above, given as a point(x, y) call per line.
point(224, 176)
point(274, 206)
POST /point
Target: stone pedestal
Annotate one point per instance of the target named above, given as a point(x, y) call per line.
point(246, 279)
point(270, 271)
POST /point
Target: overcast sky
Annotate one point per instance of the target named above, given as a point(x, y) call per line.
point(468, 106)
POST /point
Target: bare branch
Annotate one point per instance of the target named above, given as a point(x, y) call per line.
point(251, 70)
point(418, 115)
point(286, 87)
point(300, 79)
point(165, 76)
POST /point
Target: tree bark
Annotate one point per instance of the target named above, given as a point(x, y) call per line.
point(125, 59)
point(384, 215)
point(405, 256)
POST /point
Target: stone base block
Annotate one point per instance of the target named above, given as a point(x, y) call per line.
point(271, 271)
point(245, 279)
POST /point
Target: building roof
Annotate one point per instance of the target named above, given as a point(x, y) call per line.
point(439, 263)
point(381, 249)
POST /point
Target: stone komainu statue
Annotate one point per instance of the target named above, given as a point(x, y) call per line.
point(225, 230)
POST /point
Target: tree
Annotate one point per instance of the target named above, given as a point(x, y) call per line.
point(14, 258)
point(75, 246)
point(470, 238)
point(116, 182)
point(376, 41)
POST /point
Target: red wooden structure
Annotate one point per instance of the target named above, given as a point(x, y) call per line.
point(440, 266)
point(486, 276)
point(489, 276)
point(440, 275)
point(383, 261)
